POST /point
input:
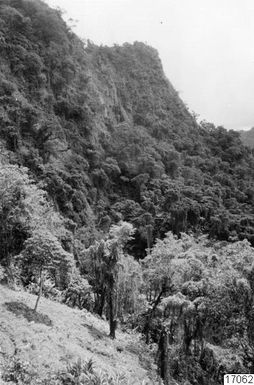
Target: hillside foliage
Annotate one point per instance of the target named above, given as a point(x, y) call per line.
point(114, 199)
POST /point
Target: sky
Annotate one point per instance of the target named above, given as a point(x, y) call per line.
point(206, 47)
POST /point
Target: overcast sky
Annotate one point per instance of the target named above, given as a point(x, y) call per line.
point(206, 47)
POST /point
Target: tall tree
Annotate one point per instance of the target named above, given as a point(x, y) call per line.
point(44, 253)
point(102, 263)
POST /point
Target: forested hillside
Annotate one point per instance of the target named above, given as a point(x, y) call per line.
point(101, 126)
point(102, 171)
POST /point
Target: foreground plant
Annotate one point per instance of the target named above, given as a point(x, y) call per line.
point(76, 373)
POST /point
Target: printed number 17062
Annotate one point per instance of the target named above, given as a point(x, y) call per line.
point(238, 379)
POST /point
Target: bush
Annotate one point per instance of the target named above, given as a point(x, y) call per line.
point(18, 372)
point(49, 289)
point(77, 373)
point(78, 293)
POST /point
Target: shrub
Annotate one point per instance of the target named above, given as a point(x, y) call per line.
point(18, 372)
point(79, 373)
point(76, 373)
point(78, 293)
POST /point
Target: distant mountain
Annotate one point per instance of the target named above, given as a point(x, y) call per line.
point(248, 137)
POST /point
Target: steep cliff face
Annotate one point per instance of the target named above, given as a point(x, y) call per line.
point(108, 136)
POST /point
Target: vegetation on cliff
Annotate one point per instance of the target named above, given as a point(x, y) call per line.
point(103, 173)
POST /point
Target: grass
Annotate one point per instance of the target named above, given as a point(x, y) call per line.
point(19, 308)
point(57, 336)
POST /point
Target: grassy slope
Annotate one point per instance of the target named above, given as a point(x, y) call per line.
point(73, 334)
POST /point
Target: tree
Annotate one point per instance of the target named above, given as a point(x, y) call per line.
point(102, 263)
point(24, 208)
point(44, 253)
point(111, 271)
point(118, 236)
point(129, 283)
point(209, 303)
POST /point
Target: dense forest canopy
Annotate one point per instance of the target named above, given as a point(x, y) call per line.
point(102, 170)
point(108, 136)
